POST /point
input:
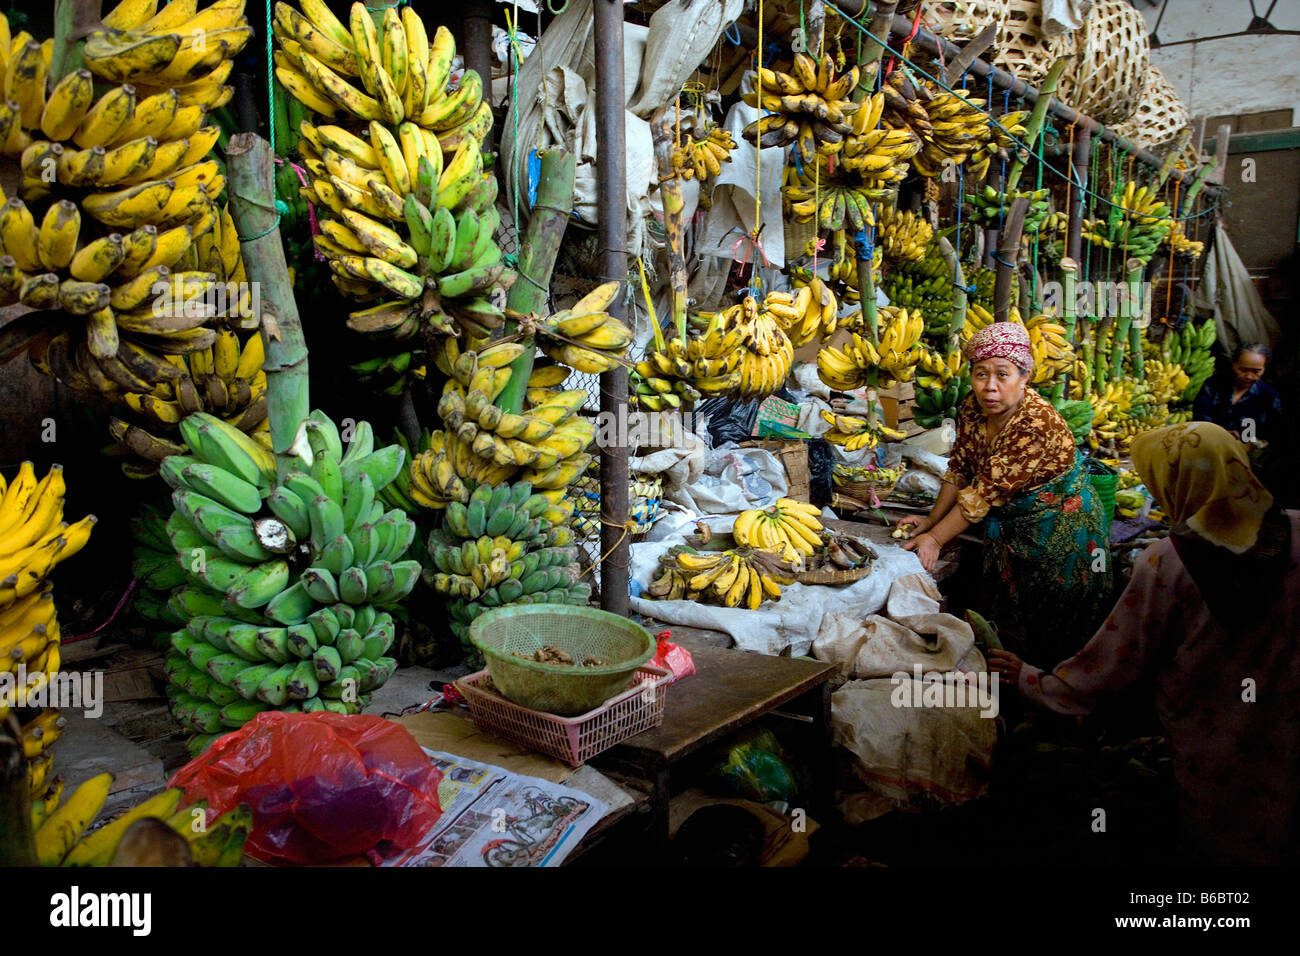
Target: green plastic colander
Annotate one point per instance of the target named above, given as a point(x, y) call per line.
point(580, 632)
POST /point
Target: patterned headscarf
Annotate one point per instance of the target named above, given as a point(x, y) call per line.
point(1008, 340)
point(1200, 475)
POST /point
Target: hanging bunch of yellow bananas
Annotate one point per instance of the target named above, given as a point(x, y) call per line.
point(903, 236)
point(879, 155)
point(734, 578)
point(788, 527)
point(851, 432)
point(396, 167)
point(701, 157)
point(1053, 351)
point(810, 313)
point(766, 352)
point(1177, 240)
point(977, 317)
point(706, 364)
point(33, 539)
point(809, 107)
point(938, 370)
point(1166, 380)
point(586, 337)
point(894, 358)
point(224, 379)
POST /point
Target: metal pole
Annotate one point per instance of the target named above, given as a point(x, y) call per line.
point(1074, 226)
point(611, 201)
point(478, 49)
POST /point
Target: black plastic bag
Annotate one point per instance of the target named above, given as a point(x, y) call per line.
point(731, 420)
point(821, 463)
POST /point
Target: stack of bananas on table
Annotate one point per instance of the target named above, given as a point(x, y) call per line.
point(1136, 224)
point(548, 441)
point(701, 157)
point(33, 539)
point(895, 356)
point(925, 284)
point(61, 831)
point(903, 236)
point(392, 374)
point(411, 219)
point(223, 379)
point(1189, 348)
point(285, 584)
point(809, 107)
point(1053, 351)
point(852, 433)
point(990, 206)
point(878, 155)
point(741, 577)
point(1177, 240)
point(508, 545)
point(791, 528)
point(843, 475)
point(587, 338)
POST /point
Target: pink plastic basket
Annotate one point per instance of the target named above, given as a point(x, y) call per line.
point(575, 740)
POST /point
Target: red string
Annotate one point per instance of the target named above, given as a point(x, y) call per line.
point(916, 28)
point(130, 589)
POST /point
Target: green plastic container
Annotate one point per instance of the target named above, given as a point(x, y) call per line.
point(1105, 480)
point(580, 632)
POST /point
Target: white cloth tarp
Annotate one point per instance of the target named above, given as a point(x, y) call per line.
point(804, 613)
point(1227, 289)
point(733, 480)
point(1064, 16)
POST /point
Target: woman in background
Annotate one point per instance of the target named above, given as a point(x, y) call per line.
point(1211, 616)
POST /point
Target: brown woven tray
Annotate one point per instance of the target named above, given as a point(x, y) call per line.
point(829, 573)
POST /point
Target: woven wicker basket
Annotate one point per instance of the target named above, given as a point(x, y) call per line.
point(1108, 77)
point(962, 20)
point(1160, 115)
point(1022, 48)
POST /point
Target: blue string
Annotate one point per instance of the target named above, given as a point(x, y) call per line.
point(865, 244)
point(727, 33)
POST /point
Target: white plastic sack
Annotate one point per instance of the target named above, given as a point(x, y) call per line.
point(1064, 16)
point(804, 612)
point(917, 482)
point(735, 479)
point(681, 35)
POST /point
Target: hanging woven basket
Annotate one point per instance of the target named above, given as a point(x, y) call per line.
point(1109, 74)
point(1161, 115)
point(1023, 49)
point(962, 20)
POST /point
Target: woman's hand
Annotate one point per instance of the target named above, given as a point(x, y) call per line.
point(926, 548)
point(1006, 664)
point(918, 524)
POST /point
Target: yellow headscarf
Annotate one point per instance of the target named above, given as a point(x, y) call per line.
point(1202, 479)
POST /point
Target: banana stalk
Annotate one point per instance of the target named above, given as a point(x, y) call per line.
point(536, 261)
point(958, 293)
point(73, 19)
point(1189, 201)
point(670, 190)
point(660, 344)
point(1034, 128)
point(250, 167)
point(1125, 323)
point(16, 846)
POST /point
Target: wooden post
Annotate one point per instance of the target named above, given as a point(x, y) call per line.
point(1008, 253)
point(250, 168)
point(546, 225)
point(1221, 140)
point(477, 51)
point(1079, 160)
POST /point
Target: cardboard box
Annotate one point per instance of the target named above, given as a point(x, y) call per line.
point(794, 458)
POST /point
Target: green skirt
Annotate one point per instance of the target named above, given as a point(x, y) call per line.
point(1047, 568)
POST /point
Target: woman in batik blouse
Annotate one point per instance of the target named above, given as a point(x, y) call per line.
point(1014, 472)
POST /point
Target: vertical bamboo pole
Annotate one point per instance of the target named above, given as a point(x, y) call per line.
point(1008, 253)
point(250, 169)
point(1079, 160)
point(611, 200)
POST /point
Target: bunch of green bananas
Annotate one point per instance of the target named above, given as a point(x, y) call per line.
point(285, 583)
point(508, 545)
point(935, 405)
point(405, 224)
point(1078, 415)
point(990, 206)
point(903, 235)
point(649, 393)
point(223, 379)
point(1136, 225)
point(983, 281)
point(924, 284)
point(392, 374)
point(1190, 348)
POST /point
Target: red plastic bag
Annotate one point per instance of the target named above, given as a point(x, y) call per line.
point(322, 786)
point(672, 657)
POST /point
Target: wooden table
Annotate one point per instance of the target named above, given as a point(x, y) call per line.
point(730, 690)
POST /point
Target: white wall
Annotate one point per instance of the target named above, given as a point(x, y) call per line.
point(1241, 75)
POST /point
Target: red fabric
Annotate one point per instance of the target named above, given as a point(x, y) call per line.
point(322, 786)
point(1007, 340)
